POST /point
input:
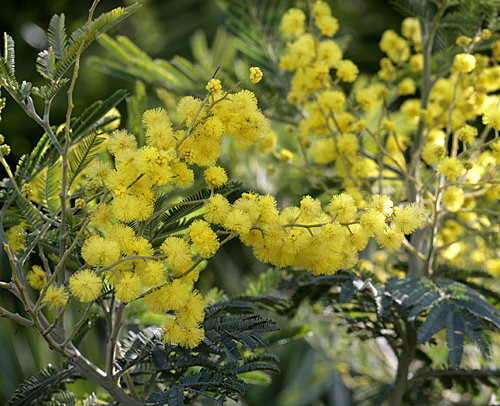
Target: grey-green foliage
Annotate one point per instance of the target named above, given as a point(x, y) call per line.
point(35, 389)
point(255, 25)
point(179, 75)
point(211, 369)
point(410, 312)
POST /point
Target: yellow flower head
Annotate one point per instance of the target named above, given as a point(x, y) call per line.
point(121, 139)
point(55, 296)
point(255, 75)
point(239, 221)
point(327, 24)
point(207, 242)
point(98, 250)
point(453, 198)
point(215, 177)
point(177, 252)
point(321, 8)
point(464, 63)
point(407, 87)
point(217, 208)
point(85, 285)
point(153, 273)
point(451, 168)
point(331, 100)
point(343, 207)
point(214, 86)
point(381, 204)
point(391, 238)
point(128, 287)
point(292, 23)
point(347, 71)
point(467, 133)
point(492, 117)
point(37, 277)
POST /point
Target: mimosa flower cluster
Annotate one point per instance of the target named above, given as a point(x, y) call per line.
point(321, 241)
point(113, 249)
point(380, 137)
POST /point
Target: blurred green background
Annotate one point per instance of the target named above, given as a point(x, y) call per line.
point(163, 29)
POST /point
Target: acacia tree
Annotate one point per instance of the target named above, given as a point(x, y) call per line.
point(114, 232)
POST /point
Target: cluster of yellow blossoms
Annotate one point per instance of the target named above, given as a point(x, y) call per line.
point(366, 144)
point(163, 276)
point(322, 242)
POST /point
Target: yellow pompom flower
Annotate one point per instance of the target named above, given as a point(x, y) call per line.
point(327, 24)
point(464, 63)
point(409, 218)
point(128, 287)
point(256, 74)
point(331, 100)
point(467, 133)
point(343, 207)
point(37, 278)
point(451, 168)
point(453, 198)
point(321, 8)
point(388, 125)
point(239, 221)
point(366, 98)
point(347, 70)
point(372, 222)
point(183, 175)
point(215, 176)
point(153, 273)
point(407, 87)
point(121, 139)
point(214, 86)
point(102, 217)
point(177, 252)
point(285, 154)
point(391, 238)
point(292, 23)
point(492, 117)
point(172, 331)
point(416, 62)
point(310, 209)
point(85, 285)
point(217, 208)
point(193, 311)
point(207, 242)
point(193, 336)
point(154, 117)
point(323, 151)
point(98, 170)
point(55, 296)
point(175, 295)
point(97, 250)
point(187, 109)
point(381, 204)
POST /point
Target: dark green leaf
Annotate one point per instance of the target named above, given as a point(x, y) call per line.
point(434, 322)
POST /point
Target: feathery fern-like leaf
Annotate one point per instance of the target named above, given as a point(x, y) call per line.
point(81, 155)
point(455, 337)
point(46, 63)
point(50, 186)
point(57, 35)
point(435, 321)
point(39, 385)
point(83, 37)
point(92, 117)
